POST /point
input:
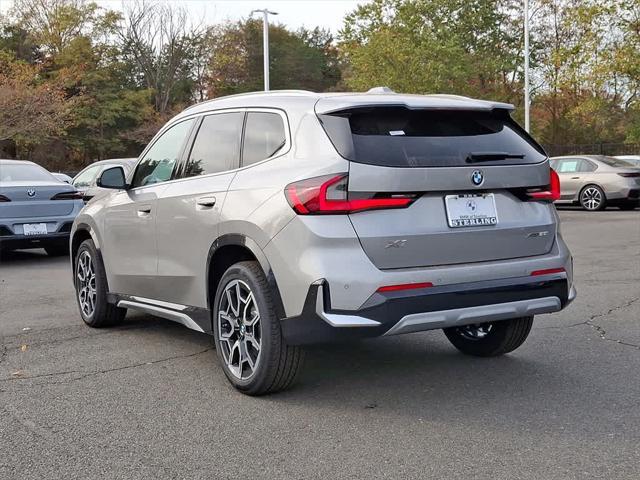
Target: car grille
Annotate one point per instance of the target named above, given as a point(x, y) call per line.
point(5, 232)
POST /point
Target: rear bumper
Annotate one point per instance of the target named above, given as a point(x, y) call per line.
point(623, 195)
point(432, 308)
point(35, 241)
point(58, 231)
point(630, 196)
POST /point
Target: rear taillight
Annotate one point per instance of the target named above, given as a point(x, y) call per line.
point(4, 199)
point(550, 193)
point(67, 196)
point(328, 195)
point(630, 174)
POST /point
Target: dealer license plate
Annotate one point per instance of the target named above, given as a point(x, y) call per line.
point(471, 210)
point(35, 229)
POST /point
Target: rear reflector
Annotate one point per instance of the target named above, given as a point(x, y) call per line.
point(405, 286)
point(67, 196)
point(551, 193)
point(328, 195)
point(548, 271)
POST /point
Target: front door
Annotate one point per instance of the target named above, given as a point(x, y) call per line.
point(130, 243)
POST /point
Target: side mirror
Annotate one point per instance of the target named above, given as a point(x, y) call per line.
point(112, 177)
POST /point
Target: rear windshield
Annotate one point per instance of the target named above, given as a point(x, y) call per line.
point(615, 162)
point(13, 172)
point(401, 137)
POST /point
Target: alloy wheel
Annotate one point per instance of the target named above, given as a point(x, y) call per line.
point(477, 331)
point(86, 283)
point(591, 198)
point(239, 329)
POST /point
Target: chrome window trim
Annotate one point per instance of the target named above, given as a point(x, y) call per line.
point(198, 116)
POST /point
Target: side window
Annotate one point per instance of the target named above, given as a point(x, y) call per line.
point(159, 161)
point(570, 165)
point(586, 166)
point(264, 135)
point(86, 178)
point(217, 145)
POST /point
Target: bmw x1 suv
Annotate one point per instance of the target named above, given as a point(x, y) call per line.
point(274, 220)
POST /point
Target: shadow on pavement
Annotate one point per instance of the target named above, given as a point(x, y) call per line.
point(36, 255)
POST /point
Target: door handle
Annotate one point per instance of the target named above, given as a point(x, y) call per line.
point(144, 210)
point(575, 178)
point(206, 202)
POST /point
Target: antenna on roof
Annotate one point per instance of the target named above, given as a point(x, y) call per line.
point(380, 90)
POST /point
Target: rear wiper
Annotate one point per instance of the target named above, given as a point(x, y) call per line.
point(488, 156)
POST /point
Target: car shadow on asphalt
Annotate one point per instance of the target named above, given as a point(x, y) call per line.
point(29, 257)
point(421, 377)
point(395, 373)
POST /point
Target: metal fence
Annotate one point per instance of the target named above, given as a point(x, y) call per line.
point(594, 149)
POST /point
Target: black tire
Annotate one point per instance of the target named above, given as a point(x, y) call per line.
point(584, 198)
point(104, 313)
point(57, 250)
point(278, 364)
point(502, 337)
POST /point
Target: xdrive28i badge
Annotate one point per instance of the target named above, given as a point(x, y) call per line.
point(477, 177)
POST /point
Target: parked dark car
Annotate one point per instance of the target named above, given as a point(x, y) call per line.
point(36, 209)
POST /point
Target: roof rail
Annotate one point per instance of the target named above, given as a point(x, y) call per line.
point(248, 94)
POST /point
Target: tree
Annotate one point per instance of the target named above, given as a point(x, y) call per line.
point(158, 39)
point(433, 46)
point(585, 69)
point(31, 111)
point(305, 59)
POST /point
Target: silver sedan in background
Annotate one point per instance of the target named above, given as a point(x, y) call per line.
point(633, 159)
point(63, 177)
point(85, 181)
point(36, 209)
point(597, 181)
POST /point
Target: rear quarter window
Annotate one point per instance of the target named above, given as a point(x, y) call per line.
point(402, 137)
point(264, 136)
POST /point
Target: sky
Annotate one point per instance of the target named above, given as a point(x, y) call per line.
point(292, 13)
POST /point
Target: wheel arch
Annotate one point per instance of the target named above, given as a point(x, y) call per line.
point(229, 249)
point(81, 232)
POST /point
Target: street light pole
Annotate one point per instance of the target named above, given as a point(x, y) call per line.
point(265, 39)
point(527, 101)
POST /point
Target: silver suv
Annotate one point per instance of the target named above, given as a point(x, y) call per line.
point(273, 220)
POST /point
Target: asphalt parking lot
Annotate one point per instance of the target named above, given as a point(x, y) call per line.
point(148, 400)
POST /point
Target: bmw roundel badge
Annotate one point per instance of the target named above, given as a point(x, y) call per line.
point(477, 177)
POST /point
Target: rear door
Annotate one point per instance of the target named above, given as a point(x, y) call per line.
point(571, 172)
point(189, 209)
point(468, 170)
